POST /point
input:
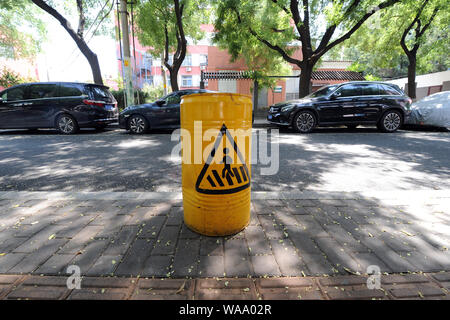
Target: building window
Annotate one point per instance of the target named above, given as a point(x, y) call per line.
point(203, 59)
point(186, 81)
point(187, 62)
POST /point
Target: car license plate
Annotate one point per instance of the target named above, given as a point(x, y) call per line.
point(109, 107)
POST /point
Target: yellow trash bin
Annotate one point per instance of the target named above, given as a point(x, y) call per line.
point(216, 172)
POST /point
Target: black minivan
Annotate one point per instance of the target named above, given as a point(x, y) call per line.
point(352, 103)
point(66, 106)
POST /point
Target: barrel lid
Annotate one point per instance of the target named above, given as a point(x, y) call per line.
point(217, 94)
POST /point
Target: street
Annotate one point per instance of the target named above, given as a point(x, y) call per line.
point(330, 159)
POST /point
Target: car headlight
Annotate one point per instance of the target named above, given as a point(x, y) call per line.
point(287, 108)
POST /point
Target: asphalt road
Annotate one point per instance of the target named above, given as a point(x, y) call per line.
point(334, 159)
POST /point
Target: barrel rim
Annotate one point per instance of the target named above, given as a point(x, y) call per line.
point(217, 94)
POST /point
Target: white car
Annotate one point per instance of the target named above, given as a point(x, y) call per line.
point(433, 111)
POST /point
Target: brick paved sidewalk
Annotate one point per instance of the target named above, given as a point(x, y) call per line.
point(412, 286)
point(290, 235)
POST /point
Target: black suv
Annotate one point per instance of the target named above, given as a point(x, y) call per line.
point(353, 103)
point(65, 106)
point(164, 113)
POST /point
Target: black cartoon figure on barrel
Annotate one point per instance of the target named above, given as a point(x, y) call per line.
point(227, 161)
point(233, 179)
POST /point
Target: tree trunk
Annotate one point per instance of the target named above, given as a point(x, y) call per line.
point(305, 79)
point(412, 75)
point(174, 79)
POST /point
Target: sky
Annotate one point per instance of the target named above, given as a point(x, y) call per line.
point(61, 60)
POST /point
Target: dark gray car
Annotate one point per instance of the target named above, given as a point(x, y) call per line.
point(353, 103)
point(164, 113)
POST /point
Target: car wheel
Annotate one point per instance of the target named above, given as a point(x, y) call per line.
point(352, 126)
point(391, 121)
point(66, 124)
point(137, 124)
point(304, 121)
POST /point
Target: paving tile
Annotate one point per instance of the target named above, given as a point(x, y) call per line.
point(167, 289)
point(41, 293)
point(211, 246)
point(237, 259)
point(105, 265)
point(211, 266)
point(98, 294)
point(134, 261)
point(265, 265)
point(287, 258)
point(158, 266)
point(167, 240)
point(9, 260)
point(86, 257)
point(120, 244)
point(317, 264)
point(256, 240)
point(185, 263)
point(152, 227)
point(57, 264)
point(225, 289)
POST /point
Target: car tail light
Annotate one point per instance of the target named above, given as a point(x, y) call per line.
point(410, 101)
point(94, 103)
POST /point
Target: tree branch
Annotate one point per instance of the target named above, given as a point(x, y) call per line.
point(358, 24)
point(81, 18)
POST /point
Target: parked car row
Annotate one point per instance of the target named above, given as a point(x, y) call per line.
point(70, 106)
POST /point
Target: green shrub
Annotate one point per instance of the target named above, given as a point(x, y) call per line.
point(10, 78)
point(146, 95)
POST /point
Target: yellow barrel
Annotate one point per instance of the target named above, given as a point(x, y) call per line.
point(216, 172)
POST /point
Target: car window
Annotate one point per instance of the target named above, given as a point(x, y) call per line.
point(102, 94)
point(387, 90)
point(39, 91)
point(370, 90)
point(350, 90)
point(322, 92)
point(14, 94)
point(174, 99)
point(69, 90)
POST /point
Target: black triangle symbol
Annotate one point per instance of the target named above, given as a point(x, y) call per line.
point(241, 174)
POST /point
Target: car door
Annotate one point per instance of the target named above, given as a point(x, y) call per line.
point(370, 104)
point(11, 107)
point(342, 103)
point(172, 110)
point(42, 104)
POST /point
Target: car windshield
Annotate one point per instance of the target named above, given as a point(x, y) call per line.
point(323, 92)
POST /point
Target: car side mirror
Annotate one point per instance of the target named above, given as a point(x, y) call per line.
point(335, 95)
point(160, 102)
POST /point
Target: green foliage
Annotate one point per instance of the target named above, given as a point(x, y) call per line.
point(376, 48)
point(146, 95)
point(10, 78)
point(260, 60)
point(21, 29)
point(153, 16)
